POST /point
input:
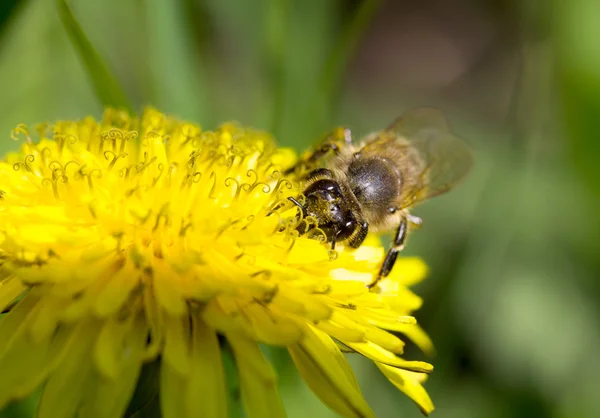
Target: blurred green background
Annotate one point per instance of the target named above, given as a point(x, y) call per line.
point(513, 296)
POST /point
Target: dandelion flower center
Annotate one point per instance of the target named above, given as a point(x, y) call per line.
point(126, 240)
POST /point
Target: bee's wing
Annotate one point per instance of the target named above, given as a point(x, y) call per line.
point(439, 159)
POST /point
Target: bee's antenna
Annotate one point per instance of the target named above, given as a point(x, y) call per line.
point(302, 208)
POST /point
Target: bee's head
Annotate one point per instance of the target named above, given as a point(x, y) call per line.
point(325, 202)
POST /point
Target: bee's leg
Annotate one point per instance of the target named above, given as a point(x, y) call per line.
point(332, 144)
point(359, 234)
point(392, 254)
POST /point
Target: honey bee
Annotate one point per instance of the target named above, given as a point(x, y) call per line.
point(351, 189)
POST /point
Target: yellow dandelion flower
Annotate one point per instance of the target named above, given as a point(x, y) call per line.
point(126, 240)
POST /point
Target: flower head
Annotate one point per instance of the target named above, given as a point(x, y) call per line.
point(124, 240)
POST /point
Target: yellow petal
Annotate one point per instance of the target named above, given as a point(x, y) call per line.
point(326, 371)
point(222, 314)
point(402, 300)
point(385, 340)
point(310, 307)
point(11, 325)
point(380, 355)
point(154, 318)
point(357, 319)
point(206, 391)
point(258, 380)
point(200, 393)
point(346, 274)
point(390, 322)
point(345, 319)
point(307, 252)
point(108, 397)
point(370, 250)
point(407, 271)
point(67, 384)
point(409, 383)
point(10, 289)
point(46, 317)
point(28, 362)
point(177, 344)
point(116, 291)
point(416, 334)
point(97, 279)
point(341, 333)
point(272, 327)
point(168, 291)
point(173, 387)
point(108, 350)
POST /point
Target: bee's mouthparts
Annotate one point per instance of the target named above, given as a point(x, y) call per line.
point(302, 208)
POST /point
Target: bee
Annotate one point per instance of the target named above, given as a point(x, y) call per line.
point(351, 189)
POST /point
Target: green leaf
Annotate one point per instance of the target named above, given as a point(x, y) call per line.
point(107, 88)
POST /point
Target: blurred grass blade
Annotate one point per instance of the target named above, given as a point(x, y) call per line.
point(578, 65)
point(331, 79)
point(278, 14)
point(306, 50)
point(105, 84)
point(177, 62)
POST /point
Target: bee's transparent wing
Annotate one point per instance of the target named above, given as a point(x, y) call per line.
point(445, 158)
